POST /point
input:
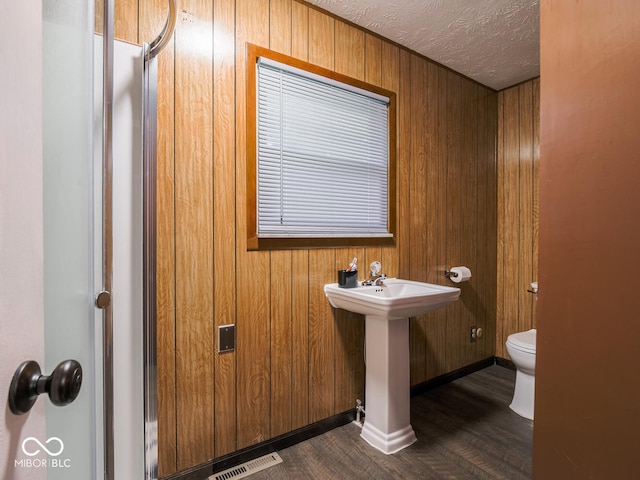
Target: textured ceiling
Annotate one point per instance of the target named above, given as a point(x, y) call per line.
point(495, 42)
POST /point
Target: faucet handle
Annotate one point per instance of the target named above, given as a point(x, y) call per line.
point(375, 268)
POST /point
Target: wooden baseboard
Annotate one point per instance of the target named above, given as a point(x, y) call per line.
point(451, 376)
point(503, 362)
point(273, 445)
point(305, 433)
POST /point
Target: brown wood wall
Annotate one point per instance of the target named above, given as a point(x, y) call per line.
point(297, 361)
point(518, 164)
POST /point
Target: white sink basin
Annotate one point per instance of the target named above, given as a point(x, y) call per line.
point(387, 309)
point(395, 299)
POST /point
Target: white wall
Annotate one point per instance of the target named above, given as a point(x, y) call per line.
point(21, 247)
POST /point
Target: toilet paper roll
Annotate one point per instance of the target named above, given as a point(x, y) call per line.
point(464, 274)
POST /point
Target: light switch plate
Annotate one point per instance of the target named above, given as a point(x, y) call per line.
point(226, 338)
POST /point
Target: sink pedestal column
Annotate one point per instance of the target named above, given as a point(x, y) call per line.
point(387, 424)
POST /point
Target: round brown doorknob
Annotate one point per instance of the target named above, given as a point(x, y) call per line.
point(62, 386)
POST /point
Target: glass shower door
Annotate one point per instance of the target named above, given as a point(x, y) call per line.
point(72, 238)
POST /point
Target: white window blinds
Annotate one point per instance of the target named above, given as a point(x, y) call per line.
point(323, 156)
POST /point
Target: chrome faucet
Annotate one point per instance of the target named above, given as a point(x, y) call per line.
point(380, 280)
point(376, 278)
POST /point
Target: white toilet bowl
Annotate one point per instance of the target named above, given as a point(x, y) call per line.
point(522, 350)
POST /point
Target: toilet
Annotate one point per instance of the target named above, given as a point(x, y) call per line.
point(522, 350)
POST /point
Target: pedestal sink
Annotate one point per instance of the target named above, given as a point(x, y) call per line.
point(387, 309)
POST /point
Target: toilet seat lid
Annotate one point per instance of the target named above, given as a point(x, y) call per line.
point(525, 341)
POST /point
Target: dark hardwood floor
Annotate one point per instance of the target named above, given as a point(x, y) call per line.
point(465, 430)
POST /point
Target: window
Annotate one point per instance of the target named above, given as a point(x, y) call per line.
point(320, 166)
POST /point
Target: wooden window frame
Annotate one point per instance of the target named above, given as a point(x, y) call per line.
point(253, 241)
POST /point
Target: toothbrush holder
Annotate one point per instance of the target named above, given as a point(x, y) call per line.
point(347, 278)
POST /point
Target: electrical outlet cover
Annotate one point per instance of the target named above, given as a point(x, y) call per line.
point(226, 338)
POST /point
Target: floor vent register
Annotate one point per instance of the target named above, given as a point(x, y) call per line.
point(248, 468)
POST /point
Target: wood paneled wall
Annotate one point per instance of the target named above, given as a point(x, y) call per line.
point(518, 163)
point(298, 361)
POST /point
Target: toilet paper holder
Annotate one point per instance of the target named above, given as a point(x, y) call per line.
point(458, 274)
